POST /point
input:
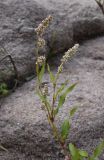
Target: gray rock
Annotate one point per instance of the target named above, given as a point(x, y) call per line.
point(24, 130)
point(73, 21)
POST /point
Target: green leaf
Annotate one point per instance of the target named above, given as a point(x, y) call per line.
point(56, 111)
point(65, 129)
point(72, 149)
point(62, 87)
point(63, 96)
point(3, 86)
point(41, 73)
point(44, 100)
point(52, 77)
point(72, 111)
point(61, 101)
point(5, 92)
point(70, 88)
point(83, 153)
point(97, 152)
point(41, 96)
point(74, 152)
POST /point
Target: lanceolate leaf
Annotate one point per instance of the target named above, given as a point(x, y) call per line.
point(41, 73)
point(83, 153)
point(52, 77)
point(63, 96)
point(70, 88)
point(41, 96)
point(74, 152)
point(77, 154)
point(72, 111)
point(61, 100)
point(56, 111)
point(72, 149)
point(65, 129)
point(97, 151)
point(62, 87)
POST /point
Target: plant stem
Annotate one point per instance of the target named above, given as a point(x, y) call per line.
point(57, 137)
point(39, 88)
point(101, 6)
point(53, 101)
point(13, 63)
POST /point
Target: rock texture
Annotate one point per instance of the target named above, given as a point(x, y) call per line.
point(73, 21)
point(23, 127)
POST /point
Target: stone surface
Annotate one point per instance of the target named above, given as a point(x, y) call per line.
point(73, 21)
point(23, 127)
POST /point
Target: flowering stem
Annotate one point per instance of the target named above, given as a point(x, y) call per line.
point(53, 101)
point(55, 130)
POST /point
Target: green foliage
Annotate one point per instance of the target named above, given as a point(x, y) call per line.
point(63, 96)
point(97, 152)
point(83, 153)
point(3, 89)
point(59, 94)
point(72, 111)
point(78, 154)
point(74, 152)
point(61, 88)
point(65, 129)
point(52, 77)
point(41, 72)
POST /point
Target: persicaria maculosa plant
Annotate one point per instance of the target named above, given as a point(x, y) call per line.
point(59, 94)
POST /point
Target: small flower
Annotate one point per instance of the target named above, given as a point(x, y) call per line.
point(69, 53)
point(41, 60)
point(41, 42)
point(60, 68)
point(45, 90)
point(43, 106)
point(66, 56)
point(43, 26)
point(40, 30)
point(46, 21)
